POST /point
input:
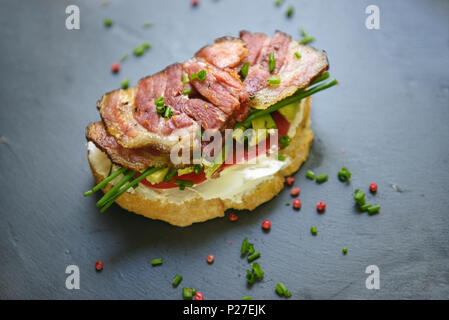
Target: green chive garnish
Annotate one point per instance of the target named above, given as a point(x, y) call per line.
point(345, 250)
point(146, 46)
point(125, 84)
point(365, 207)
point(279, 2)
point(250, 277)
point(297, 55)
point(321, 178)
point(247, 298)
point(359, 197)
point(284, 141)
point(148, 24)
point(314, 230)
point(344, 174)
point(183, 183)
point(274, 80)
point(281, 157)
point(124, 58)
point(187, 92)
point(373, 209)
point(170, 175)
point(257, 270)
point(128, 176)
point(107, 22)
point(188, 293)
point(168, 113)
point(138, 51)
point(253, 256)
point(287, 203)
point(310, 175)
point(244, 70)
point(244, 248)
point(282, 290)
point(197, 168)
point(105, 181)
point(306, 38)
point(271, 62)
point(177, 280)
point(251, 248)
point(185, 79)
point(156, 262)
point(290, 11)
point(201, 75)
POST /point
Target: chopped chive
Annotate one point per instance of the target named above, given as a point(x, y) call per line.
point(168, 113)
point(271, 62)
point(159, 101)
point(253, 256)
point(365, 207)
point(201, 75)
point(112, 196)
point(185, 79)
point(156, 262)
point(251, 248)
point(250, 277)
point(284, 141)
point(306, 38)
point(244, 248)
point(187, 92)
point(282, 290)
point(279, 2)
point(138, 51)
point(128, 176)
point(344, 174)
point(197, 168)
point(146, 46)
point(183, 183)
point(170, 175)
point(310, 175)
point(177, 280)
point(321, 178)
point(345, 250)
point(297, 96)
point(188, 293)
point(124, 58)
point(297, 55)
point(359, 197)
point(257, 270)
point(107, 22)
point(373, 209)
point(148, 24)
point(105, 181)
point(244, 70)
point(274, 80)
point(287, 203)
point(125, 84)
point(314, 230)
point(281, 157)
point(247, 298)
point(290, 11)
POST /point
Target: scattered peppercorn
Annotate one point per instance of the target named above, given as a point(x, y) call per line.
point(194, 3)
point(373, 187)
point(210, 259)
point(297, 203)
point(266, 225)
point(321, 206)
point(233, 217)
point(198, 296)
point(115, 67)
point(99, 265)
point(295, 192)
point(290, 180)
point(314, 230)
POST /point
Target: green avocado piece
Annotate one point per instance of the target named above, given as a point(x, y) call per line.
point(157, 176)
point(289, 111)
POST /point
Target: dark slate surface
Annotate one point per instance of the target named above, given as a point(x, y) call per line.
point(390, 115)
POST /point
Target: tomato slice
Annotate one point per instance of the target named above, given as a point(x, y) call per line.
point(282, 125)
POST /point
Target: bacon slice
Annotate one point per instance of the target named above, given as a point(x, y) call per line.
point(226, 52)
point(135, 159)
point(294, 73)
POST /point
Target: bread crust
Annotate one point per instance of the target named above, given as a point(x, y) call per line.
point(199, 209)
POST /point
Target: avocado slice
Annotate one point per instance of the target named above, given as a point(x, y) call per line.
point(184, 171)
point(157, 176)
point(289, 111)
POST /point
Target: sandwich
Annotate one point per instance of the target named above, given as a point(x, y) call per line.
point(219, 131)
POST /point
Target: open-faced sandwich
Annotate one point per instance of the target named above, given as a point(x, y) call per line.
point(216, 132)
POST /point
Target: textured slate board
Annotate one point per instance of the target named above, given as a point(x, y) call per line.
point(390, 115)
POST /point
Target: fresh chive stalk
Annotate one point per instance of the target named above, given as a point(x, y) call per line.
point(310, 175)
point(321, 178)
point(156, 262)
point(177, 280)
point(253, 256)
point(128, 176)
point(105, 181)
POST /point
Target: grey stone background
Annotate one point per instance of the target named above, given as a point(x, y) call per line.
point(389, 114)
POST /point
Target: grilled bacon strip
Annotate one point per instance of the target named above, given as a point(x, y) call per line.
point(132, 130)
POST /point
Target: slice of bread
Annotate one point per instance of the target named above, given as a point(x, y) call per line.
point(198, 209)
